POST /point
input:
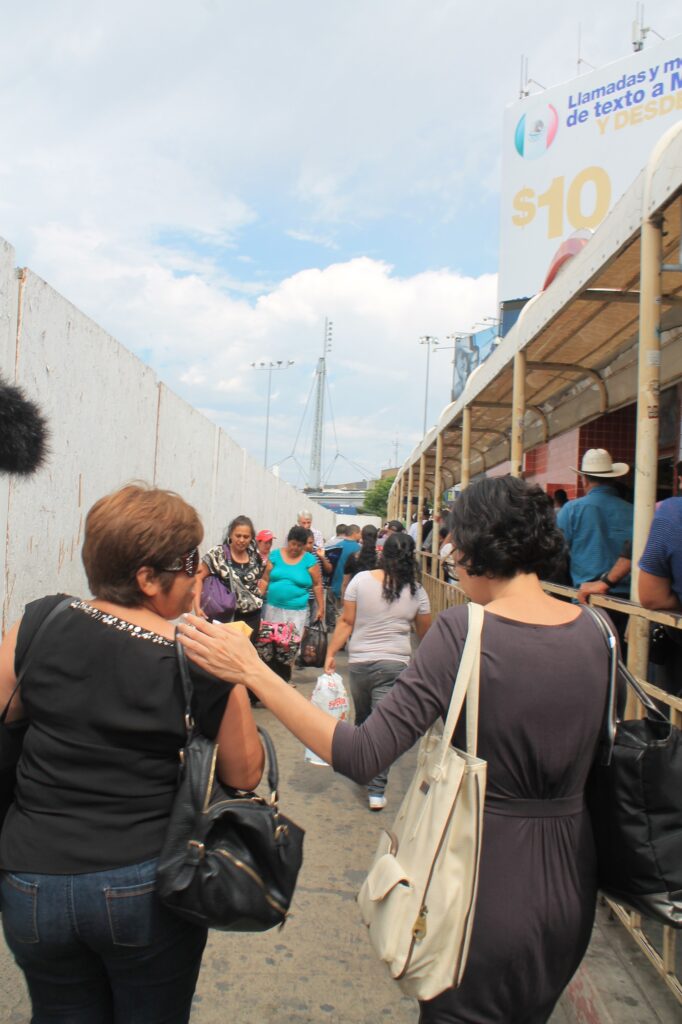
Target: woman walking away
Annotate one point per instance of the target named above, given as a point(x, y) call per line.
point(324, 566)
point(544, 675)
point(363, 560)
point(239, 567)
point(98, 772)
point(379, 609)
point(293, 574)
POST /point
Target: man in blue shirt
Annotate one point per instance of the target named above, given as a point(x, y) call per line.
point(660, 586)
point(597, 526)
point(348, 546)
point(660, 579)
point(338, 552)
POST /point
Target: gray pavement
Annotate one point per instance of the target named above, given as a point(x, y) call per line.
point(319, 969)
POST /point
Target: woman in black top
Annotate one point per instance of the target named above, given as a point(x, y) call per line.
point(98, 772)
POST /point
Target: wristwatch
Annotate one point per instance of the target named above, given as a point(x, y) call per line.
point(604, 578)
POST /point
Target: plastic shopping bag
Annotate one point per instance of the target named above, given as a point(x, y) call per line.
point(330, 695)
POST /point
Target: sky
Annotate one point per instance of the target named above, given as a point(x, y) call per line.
point(210, 180)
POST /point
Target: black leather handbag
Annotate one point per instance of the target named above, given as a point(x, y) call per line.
point(635, 800)
point(12, 734)
point(230, 859)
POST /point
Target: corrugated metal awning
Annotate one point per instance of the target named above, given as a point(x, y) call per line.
point(579, 336)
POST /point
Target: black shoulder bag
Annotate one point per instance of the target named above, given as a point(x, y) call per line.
point(635, 799)
point(314, 645)
point(230, 860)
point(12, 734)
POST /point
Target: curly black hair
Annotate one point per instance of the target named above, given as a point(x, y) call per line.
point(399, 565)
point(502, 526)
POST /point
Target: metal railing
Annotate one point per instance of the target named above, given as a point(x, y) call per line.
point(659, 944)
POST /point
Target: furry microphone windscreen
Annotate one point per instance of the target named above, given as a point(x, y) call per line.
point(23, 432)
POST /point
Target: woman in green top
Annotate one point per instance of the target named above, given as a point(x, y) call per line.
point(293, 573)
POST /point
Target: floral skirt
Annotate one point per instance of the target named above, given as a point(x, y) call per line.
point(269, 648)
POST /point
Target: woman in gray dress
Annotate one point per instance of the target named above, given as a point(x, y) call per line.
point(542, 698)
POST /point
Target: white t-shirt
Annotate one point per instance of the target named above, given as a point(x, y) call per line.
point(382, 628)
point(318, 540)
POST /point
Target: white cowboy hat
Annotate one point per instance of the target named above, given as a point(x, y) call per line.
point(598, 462)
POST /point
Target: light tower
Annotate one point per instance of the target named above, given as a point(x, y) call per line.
point(270, 365)
point(318, 422)
point(431, 342)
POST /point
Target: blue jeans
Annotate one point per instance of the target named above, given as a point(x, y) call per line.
point(370, 682)
point(100, 948)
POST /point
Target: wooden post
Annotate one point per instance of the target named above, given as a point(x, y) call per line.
point(648, 388)
point(518, 413)
point(466, 447)
point(437, 502)
point(420, 501)
point(410, 484)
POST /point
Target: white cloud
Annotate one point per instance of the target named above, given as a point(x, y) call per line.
point(193, 377)
point(307, 236)
point(156, 155)
point(229, 385)
point(203, 340)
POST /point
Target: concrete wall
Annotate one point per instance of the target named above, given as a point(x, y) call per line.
point(111, 421)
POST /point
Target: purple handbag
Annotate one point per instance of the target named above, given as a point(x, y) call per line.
point(217, 602)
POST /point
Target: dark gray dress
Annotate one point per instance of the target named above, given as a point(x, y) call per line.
point(543, 694)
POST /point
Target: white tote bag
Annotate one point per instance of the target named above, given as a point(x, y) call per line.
point(419, 897)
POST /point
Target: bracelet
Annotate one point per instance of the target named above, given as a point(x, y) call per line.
point(604, 578)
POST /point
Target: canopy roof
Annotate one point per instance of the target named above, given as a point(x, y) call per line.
point(579, 336)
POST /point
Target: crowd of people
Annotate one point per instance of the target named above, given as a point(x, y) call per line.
point(597, 528)
point(290, 586)
point(103, 700)
point(544, 675)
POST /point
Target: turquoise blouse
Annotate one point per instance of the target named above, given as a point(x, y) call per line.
point(290, 585)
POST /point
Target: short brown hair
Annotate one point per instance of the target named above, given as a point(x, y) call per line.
point(138, 525)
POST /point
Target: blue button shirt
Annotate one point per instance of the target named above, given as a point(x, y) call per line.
point(348, 548)
point(662, 555)
point(595, 528)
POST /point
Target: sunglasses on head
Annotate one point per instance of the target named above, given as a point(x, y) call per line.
point(188, 563)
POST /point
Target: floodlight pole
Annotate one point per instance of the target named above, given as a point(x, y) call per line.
point(429, 340)
point(270, 365)
point(318, 422)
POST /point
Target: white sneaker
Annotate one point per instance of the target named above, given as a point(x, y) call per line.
point(377, 801)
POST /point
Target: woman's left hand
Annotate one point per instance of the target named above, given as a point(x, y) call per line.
point(219, 650)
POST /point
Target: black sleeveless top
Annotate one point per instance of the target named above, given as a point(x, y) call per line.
point(99, 767)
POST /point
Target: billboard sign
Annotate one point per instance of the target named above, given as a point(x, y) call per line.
point(570, 152)
point(470, 351)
